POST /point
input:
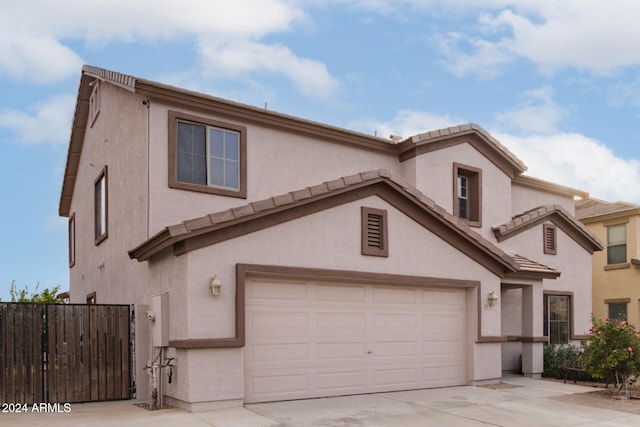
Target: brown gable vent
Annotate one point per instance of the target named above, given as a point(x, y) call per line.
point(550, 239)
point(374, 232)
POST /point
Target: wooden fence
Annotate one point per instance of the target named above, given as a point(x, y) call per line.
point(64, 352)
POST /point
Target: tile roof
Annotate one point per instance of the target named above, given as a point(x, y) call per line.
point(527, 265)
point(555, 213)
point(440, 134)
point(194, 227)
point(590, 207)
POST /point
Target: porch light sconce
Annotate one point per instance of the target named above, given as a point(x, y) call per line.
point(492, 300)
point(216, 286)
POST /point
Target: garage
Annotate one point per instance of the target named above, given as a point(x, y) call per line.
point(309, 338)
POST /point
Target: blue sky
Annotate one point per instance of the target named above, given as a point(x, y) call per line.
point(557, 82)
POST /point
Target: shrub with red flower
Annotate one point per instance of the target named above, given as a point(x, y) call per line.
point(613, 352)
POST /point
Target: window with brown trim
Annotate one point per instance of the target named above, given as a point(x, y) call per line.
point(207, 155)
point(467, 189)
point(550, 239)
point(618, 310)
point(72, 240)
point(374, 232)
point(557, 318)
point(101, 202)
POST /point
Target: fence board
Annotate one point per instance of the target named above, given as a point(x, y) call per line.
point(64, 352)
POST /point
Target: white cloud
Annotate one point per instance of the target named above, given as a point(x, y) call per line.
point(584, 34)
point(239, 57)
point(48, 122)
point(577, 161)
point(538, 114)
point(32, 35)
point(406, 123)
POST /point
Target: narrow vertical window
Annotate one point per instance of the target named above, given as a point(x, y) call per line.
point(72, 240)
point(467, 197)
point(101, 201)
point(374, 232)
point(617, 244)
point(91, 298)
point(550, 239)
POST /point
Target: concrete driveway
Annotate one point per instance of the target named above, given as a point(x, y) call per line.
point(530, 403)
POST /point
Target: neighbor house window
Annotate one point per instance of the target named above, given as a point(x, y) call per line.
point(617, 310)
point(91, 298)
point(207, 155)
point(100, 203)
point(556, 318)
point(617, 244)
point(549, 239)
point(72, 240)
point(374, 232)
point(468, 194)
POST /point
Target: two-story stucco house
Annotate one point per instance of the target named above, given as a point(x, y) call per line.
point(616, 271)
point(284, 258)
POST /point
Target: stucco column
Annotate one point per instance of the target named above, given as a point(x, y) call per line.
point(532, 312)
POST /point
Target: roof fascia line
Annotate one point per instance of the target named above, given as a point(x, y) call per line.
point(611, 215)
point(263, 117)
point(560, 219)
point(479, 141)
point(413, 203)
point(546, 186)
point(76, 140)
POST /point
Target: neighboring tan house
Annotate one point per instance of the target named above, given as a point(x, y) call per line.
point(281, 258)
point(616, 271)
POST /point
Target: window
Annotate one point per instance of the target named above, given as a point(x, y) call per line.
point(100, 203)
point(374, 232)
point(468, 194)
point(72, 240)
point(549, 233)
point(556, 318)
point(618, 309)
point(94, 103)
point(207, 155)
point(617, 244)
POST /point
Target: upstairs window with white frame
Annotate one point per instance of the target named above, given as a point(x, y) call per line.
point(617, 244)
point(468, 194)
point(207, 156)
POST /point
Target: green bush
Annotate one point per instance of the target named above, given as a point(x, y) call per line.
point(613, 351)
point(557, 358)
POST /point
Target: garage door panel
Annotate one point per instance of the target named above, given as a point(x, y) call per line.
point(336, 320)
point(390, 295)
point(341, 381)
point(281, 292)
point(342, 294)
point(350, 339)
point(341, 350)
point(395, 321)
point(271, 320)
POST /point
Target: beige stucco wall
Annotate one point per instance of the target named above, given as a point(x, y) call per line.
point(328, 239)
point(106, 268)
point(524, 198)
point(619, 283)
point(277, 162)
point(434, 177)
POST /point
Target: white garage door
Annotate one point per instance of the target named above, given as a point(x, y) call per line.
point(313, 339)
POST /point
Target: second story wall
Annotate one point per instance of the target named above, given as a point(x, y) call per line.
point(276, 162)
point(114, 153)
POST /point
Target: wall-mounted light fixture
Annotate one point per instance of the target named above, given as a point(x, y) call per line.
point(216, 285)
point(492, 300)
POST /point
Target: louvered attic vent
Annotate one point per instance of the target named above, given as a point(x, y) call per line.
point(374, 232)
point(549, 233)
